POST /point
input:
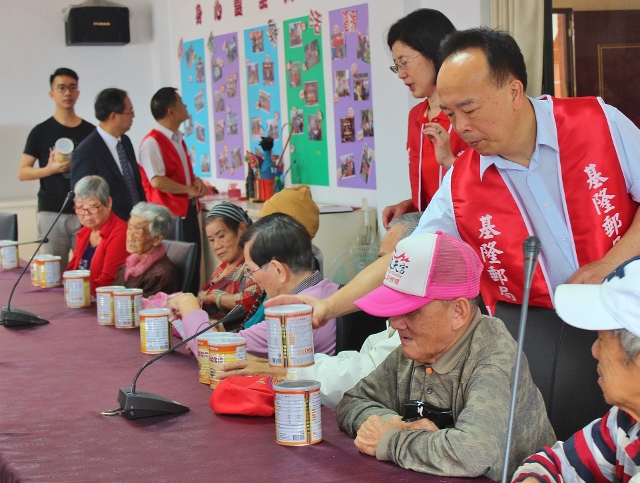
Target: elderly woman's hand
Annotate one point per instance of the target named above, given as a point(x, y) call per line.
point(184, 303)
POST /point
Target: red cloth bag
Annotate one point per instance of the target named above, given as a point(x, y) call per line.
point(247, 395)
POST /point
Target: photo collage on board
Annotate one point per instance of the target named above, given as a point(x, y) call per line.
point(352, 97)
point(227, 115)
point(261, 59)
point(193, 92)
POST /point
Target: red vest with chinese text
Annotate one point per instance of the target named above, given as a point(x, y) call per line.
point(598, 210)
point(177, 204)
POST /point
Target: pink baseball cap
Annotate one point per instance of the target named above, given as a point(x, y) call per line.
point(425, 267)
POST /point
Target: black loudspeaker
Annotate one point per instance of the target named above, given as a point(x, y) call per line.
point(97, 26)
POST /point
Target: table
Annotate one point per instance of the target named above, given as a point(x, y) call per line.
point(56, 379)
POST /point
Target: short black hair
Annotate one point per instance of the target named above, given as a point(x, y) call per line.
point(108, 101)
point(279, 237)
point(162, 101)
point(422, 30)
point(500, 49)
point(62, 71)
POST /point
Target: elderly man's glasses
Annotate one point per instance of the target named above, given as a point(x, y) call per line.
point(250, 272)
point(91, 209)
point(402, 65)
point(62, 88)
point(130, 113)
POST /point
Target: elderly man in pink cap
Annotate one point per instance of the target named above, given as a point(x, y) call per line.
point(451, 377)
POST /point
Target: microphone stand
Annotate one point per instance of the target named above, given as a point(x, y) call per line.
point(18, 318)
point(531, 247)
point(135, 405)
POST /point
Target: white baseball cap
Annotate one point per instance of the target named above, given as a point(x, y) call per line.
point(614, 304)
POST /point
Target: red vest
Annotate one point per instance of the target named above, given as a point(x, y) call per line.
point(597, 208)
point(177, 204)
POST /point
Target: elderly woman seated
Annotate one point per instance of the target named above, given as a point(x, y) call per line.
point(277, 251)
point(148, 267)
point(608, 448)
point(100, 243)
point(229, 285)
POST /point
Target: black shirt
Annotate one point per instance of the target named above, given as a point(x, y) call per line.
point(40, 143)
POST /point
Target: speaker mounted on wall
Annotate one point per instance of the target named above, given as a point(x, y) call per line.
point(97, 26)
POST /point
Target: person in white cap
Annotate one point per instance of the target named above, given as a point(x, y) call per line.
point(608, 449)
point(453, 371)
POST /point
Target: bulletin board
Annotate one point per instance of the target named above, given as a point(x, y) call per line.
point(352, 97)
point(194, 95)
point(306, 101)
point(263, 86)
point(227, 112)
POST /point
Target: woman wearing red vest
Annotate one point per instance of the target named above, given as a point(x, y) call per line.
point(431, 143)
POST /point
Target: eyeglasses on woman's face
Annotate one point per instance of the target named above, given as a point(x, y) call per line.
point(403, 64)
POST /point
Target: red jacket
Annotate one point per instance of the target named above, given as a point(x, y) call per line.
point(174, 170)
point(110, 253)
point(422, 190)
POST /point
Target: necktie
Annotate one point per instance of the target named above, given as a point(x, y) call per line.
point(127, 174)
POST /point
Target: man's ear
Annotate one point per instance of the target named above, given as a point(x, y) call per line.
point(462, 309)
point(282, 271)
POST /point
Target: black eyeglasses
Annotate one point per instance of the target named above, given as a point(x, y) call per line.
point(415, 409)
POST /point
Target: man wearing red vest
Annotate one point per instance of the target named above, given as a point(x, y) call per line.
point(565, 170)
point(165, 167)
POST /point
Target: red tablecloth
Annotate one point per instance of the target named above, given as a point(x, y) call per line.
point(56, 379)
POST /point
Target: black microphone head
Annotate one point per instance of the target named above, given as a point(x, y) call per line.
point(71, 195)
point(531, 247)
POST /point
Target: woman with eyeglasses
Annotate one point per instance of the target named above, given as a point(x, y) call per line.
point(230, 285)
point(101, 242)
point(431, 143)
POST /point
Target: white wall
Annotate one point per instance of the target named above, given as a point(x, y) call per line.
point(33, 46)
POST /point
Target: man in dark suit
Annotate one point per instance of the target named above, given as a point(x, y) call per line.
point(108, 152)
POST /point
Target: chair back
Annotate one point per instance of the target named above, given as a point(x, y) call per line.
point(183, 256)
point(8, 226)
point(353, 329)
point(561, 365)
point(175, 232)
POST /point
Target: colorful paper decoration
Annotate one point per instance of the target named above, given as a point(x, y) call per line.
point(306, 100)
point(194, 95)
point(352, 97)
point(227, 111)
point(198, 14)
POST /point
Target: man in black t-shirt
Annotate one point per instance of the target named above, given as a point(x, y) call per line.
point(53, 174)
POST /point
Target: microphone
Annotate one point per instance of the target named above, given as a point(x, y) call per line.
point(531, 249)
point(16, 317)
point(43, 240)
point(135, 405)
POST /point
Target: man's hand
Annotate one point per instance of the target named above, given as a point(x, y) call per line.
point(54, 167)
point(321, 309)
point(424, 423)
point(593, 272)
point(392, 211)
point(372, 430)
point(254, 366)
point(201, 188)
